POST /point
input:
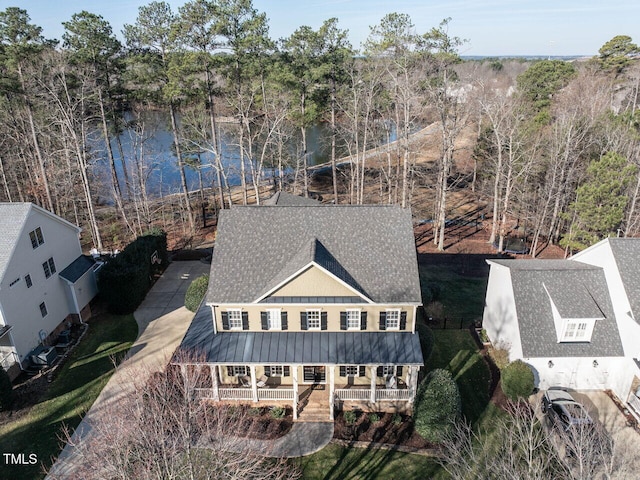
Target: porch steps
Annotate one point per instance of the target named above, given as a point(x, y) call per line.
point(314, 406)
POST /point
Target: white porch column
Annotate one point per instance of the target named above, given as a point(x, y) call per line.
point(415, 318)
point(373, 384)
point(214, 382)
point(213, 314)
point(412, 382)
point(332, 376)
point(254, 383)
point(295, 391)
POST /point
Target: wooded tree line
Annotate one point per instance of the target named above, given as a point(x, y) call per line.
point(546, 135)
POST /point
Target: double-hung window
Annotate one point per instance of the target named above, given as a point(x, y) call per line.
point(274, 319)
point(353, 319)
point(36, 237)
point(351, 370)
point(313, 320)
point(49, 267)
point(577, 331)
point(393, 319)
point(388, 370)
point(43, 310)
point(235, 319)
point(240, 370)
point(27, 280)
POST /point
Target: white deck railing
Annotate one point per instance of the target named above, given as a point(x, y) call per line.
point(235, 394)
point(275, 394)
point(365, 394)
point(404, 394)
point(353, 393)
point(7, 359)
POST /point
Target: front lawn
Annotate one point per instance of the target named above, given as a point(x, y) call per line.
point(340, 463)
point(69, 396)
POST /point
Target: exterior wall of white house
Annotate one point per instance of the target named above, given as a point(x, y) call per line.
point(85, 289)
point(500, 318)
point(579, 373)
point(21, 304)
point(601, 255)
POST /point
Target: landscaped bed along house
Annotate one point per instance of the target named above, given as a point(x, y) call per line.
point(310, 306)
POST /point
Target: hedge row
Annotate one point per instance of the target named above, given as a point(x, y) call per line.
point(125, 279)
point(195, 292)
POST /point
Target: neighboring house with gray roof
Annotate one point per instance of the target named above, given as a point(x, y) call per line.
point(311, 302)
point(571, 320)
point(45, 281)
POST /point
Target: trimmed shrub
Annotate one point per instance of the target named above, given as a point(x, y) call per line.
point(374, 417)
point(350, 417)
point(6, 390)
point(396, 419)
point(125, 279)
point(437, 405)
point(517, 380)
point(278, 412)
point(195, 292)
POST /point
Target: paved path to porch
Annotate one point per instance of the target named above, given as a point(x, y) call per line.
point(162, 322)
point(303, 439)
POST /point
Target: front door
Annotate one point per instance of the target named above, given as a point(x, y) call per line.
point(314, 374)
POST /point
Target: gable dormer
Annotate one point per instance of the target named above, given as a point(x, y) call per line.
point(575, 311)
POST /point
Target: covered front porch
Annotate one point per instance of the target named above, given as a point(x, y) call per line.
point(313, 391)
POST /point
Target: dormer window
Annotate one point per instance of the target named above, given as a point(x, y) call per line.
point(579, 330)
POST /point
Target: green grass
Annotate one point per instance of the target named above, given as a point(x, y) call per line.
point(339, 463)
point(461, 296)
point(69, 397)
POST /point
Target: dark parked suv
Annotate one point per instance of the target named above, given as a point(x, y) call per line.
point(562, 411)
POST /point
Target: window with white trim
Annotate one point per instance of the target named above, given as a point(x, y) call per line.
point(388, 370)
point(313, 320)
point(36, 237)
point(276, 371)
point(352, 370)
point(353, 319)
point(577, 331)
point(393, 319)
point(27, 280)
point(239, 370)
point(43, 310)
point(49, 267)
point(235, 319)
point(274, 319)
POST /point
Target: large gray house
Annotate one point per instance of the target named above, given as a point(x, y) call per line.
point(45, 281)
point(312, 306)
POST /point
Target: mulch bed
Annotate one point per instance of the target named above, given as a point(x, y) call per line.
point(393, 429)
point(258, 423)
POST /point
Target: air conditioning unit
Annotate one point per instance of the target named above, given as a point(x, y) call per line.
point(44, 355)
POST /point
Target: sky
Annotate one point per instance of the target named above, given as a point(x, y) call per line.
point(491, 27)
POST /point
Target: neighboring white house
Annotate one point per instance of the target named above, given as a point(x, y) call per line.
point(573, 321)
point(45, 281)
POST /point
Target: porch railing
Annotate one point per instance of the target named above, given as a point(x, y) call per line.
point(353, 393)
point(365, 394)
point(235, 394)
point(275, 394)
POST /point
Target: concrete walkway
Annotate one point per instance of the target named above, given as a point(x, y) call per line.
point(162, 322)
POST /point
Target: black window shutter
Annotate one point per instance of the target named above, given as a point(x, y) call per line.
point(245, 320)
point(303, 320)
point(362, 370)
point(323, 320)
point(283, 321)
point(286, 371)
point(363, 320)
point(399, 371)
point(379, 372)
point(343, 320)
point(403, 320)
point(383, 320)
point(229, 371)
point(343, 371)
point(267, 370)
point(225, 321)
point(263, 320)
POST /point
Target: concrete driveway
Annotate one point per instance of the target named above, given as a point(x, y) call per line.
point(162, 322)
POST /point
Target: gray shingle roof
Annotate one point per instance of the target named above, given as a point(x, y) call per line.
point(339, 348)
point(626, 252)
point(12, 218)
point(569, 283)
point(284, 199)
point(77, 268)
point(372, 248)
